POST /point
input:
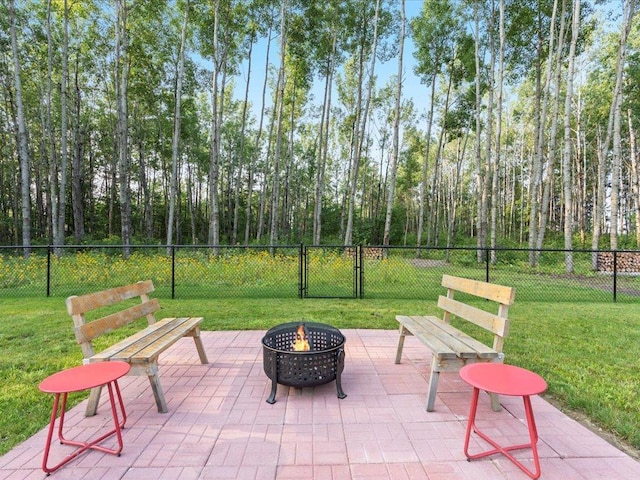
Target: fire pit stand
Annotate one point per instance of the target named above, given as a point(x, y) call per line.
point(322, 364)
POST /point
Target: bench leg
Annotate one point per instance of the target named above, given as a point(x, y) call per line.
point(403, 333)
point(495, 398)
point(495, 402)
point(94, 399)
point(158, 394)
point(201, 353)
point(433, 384)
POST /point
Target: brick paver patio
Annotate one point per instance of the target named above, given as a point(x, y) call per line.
point(220, 427)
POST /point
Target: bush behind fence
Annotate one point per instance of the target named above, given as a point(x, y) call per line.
point(365, 272)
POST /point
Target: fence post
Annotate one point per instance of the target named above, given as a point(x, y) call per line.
point(615, 275)
point(360, 266)
point(48, 270)
point(301, 275)
point(173, 272)
point(486, 260)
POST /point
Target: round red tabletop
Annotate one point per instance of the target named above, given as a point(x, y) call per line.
point(503, 379)
point(84, 377)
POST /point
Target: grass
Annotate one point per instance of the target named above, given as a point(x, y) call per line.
point(587, 352)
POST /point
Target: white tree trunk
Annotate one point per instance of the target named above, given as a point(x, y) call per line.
point(122, 77)
point(175, 143)
point(396, 130)
point(23, 146)
point(566, 160)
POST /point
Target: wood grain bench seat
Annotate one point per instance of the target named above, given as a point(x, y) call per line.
point(451, 348)
point(141, 349)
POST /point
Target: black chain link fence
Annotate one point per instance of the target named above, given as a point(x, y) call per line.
point(366, 272)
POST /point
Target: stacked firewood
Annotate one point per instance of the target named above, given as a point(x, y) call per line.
point(626, 262)
point(369, 253)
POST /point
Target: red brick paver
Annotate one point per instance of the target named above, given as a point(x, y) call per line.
point(220, 427)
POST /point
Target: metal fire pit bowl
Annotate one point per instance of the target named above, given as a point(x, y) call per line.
point(322, 364)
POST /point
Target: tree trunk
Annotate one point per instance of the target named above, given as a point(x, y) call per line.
point(480, 180)
point(603, 152)
point(122, 78)
point(275, 193)
point(635, 178)
point(214, 167)
point(540, 130)
point(361, 131)
point(236, 201)
point(62, 210)
point(175, 143)
point(425, 165)
point(566, 161)
point(495, 196)
point(53, 201)
point(551, 153)
point(76, 166)
point(255, 162)
point(23, 147)
point(323, 145)
point(396, 131)
point(488, 190)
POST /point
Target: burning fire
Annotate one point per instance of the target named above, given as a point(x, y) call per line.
point(301, 343)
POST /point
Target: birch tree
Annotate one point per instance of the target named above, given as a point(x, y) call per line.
point(214, 134)
point(396, 129)
point(566, 160)
point(23, 146)
point(362, 113)
point(603, 150)
point(124, 164)
point(434, 33)
point(175, 144)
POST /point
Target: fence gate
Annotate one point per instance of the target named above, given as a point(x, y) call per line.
point(330, 272)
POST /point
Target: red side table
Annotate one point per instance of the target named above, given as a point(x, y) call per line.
point(76, 379)
point(504, 380)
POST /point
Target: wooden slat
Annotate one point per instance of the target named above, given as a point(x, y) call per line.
point(116, 348)
point(147, 344)
point(85, 303)
point(91, 330)
point(444, 340)
point(430, 339)
point(464, 345)
point(489, 321)
point(489, 291)
point(178, 331)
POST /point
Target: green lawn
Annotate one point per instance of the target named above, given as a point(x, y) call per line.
point(587, 352)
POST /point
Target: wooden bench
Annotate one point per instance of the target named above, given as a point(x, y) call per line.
point(142, 349)
point(452, 348)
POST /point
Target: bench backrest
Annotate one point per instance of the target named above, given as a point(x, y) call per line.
point(78, 306)
point(498, 324)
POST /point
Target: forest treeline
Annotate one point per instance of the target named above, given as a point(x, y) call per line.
point(132, 121)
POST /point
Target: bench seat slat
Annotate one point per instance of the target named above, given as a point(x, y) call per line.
point(427, 337)
point(161, 343)
point(147, 344)
point(445, 340)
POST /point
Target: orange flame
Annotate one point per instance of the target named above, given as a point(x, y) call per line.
point(301, 343)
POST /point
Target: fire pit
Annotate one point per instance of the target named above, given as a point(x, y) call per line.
point(304, 354)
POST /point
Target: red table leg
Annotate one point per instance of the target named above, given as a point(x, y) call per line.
point(533, 436)
point(83, 446)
